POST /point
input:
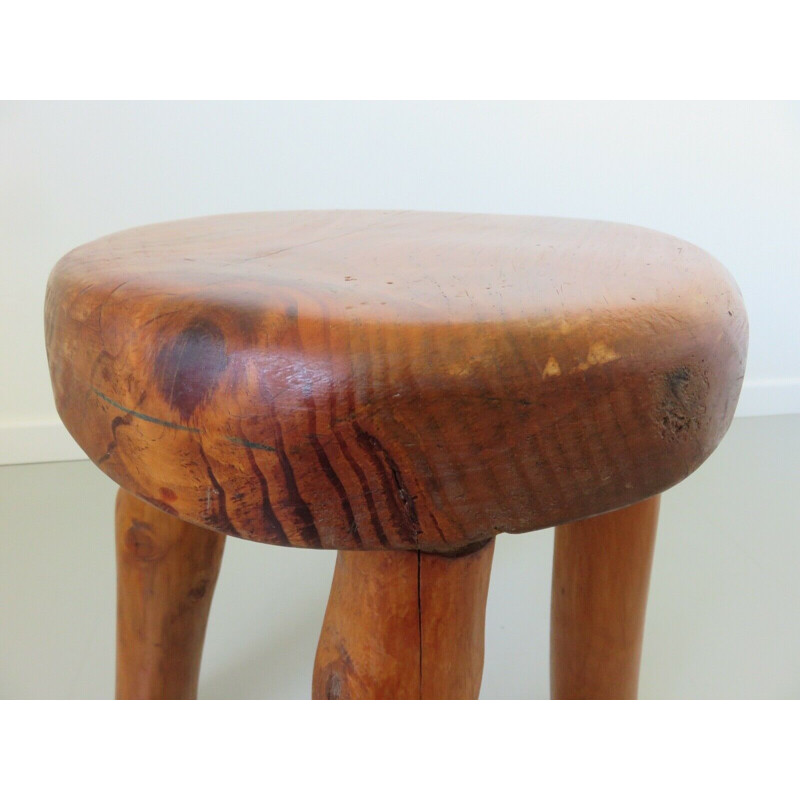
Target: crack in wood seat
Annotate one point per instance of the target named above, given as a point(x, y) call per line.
point(393, 380)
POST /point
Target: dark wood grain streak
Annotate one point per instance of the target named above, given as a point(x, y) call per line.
point(218, 519)
point(271, 521)
point(330, 473)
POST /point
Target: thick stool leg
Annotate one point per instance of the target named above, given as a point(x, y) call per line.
point(166, 573)
point(404, 625)
point(601, 573)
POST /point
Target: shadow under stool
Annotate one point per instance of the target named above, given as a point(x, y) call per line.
point(400, 387)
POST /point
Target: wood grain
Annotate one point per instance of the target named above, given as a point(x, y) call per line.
point(403, 625)
point(166, 573)
point(601, 574)
point(393, 380)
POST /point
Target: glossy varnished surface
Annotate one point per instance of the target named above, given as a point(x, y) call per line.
point(373, 380)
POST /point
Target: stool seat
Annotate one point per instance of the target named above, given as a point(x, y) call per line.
point(393, 380)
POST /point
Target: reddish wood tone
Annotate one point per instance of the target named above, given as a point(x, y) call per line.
point(393, 380)
point(166, 573)
point(601, 573)
point(403, 625)
point(403, 386)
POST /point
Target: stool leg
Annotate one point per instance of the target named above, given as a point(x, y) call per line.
point(166, 573)
point(404, 625)
point(601, 573)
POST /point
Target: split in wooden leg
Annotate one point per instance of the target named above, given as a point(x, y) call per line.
point(601, 574)
point(404, 625)
point(166, 573)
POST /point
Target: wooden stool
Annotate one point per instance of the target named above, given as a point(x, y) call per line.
point(400, 387)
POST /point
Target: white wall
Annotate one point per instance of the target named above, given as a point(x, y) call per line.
point(724, 176)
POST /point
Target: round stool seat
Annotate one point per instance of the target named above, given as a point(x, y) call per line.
point(393, 380)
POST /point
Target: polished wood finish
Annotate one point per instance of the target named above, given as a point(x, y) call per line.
point(601, 573)
point(401, 387)
point(393, 380)
point(166, 573)
point(403, 625)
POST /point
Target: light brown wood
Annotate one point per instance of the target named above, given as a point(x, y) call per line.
point(393, 380)
point(166, 573)
point(601, 574)
point(403, 625)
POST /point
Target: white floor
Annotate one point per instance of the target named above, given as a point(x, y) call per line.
point(723, 618)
